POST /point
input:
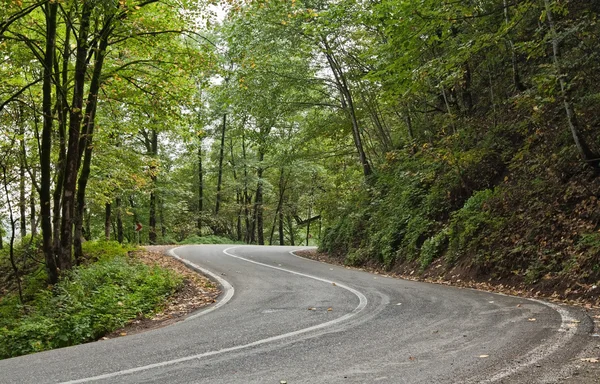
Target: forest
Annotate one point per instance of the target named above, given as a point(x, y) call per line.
point(416, 136)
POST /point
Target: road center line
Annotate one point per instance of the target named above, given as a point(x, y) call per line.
point(361, 305)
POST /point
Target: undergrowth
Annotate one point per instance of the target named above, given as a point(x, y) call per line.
point(87, 302)
point(211, 239)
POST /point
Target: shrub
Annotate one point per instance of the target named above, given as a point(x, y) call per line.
point(211, 239)
point(470, 225)
point(433, 247)
point(87, 303)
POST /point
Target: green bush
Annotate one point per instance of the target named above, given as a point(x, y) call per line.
point(211, 239)
point(433, 247)
point(103, 250)
point(87, 303)
point(470, 224)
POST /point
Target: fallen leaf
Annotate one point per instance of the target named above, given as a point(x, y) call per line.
point(590, 360)
point(518, 305)
point(329, 309)
point(531, 319)
point(412, 358)
point(484, 356)
point(123, 333)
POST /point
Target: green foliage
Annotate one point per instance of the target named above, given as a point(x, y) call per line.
point(433, 248)
point(470, 225)
point(105, 250)
point(87, 303)
point(211, 239)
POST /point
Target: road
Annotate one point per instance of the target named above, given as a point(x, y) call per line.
point(285, 318)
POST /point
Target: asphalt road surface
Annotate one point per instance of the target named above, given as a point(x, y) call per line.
point(282, 318)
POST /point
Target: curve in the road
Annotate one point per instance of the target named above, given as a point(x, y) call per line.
point(229, 291)
point(550, 346)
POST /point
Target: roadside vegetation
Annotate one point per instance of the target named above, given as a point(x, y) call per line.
point(103, 294)
point(437, 138)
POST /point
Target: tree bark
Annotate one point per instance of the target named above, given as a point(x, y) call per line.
point(200, 188)
point(73, 154)
point(119, 221)
point(348, 106)
point(50, 10)
point(32, 215)
point(62, 109)
point(591, 158)
point(85, 145)
point(258, 202)
point(22, 196)
point(291, 229)
point(518, 84)
point(107, 220)
point(11, 248)
point(220, 170)
point(153, 177)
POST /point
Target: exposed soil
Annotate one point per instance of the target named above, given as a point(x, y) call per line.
point(197, 292)
point(586, 296)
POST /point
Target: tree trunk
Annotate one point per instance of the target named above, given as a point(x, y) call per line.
point(73, 153)
point(85, 145)
point(249, 238)
point(161, 214)
point(281, 232)
point(220, 169)
point(22, 196)
point(238, 194)
point(32, 216)
point(348, 106)
point(279, 206)
point(153, 177)
point(119, 221)
point(591, 158)
point(62, 110)
point(519, 86)
point(11, 248)
point(259, 200)
point(46, 147)
point(107, 220)
point(200, 189)
point(291, 229)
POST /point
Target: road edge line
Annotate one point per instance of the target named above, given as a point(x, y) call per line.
point(564, 333)
point(228, 290)
point(361, 306)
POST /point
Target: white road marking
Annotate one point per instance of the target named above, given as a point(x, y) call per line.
point(361, 305)
point(565, 332)
point(228, 288)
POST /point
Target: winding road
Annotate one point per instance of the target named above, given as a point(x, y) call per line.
point(282, 318)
